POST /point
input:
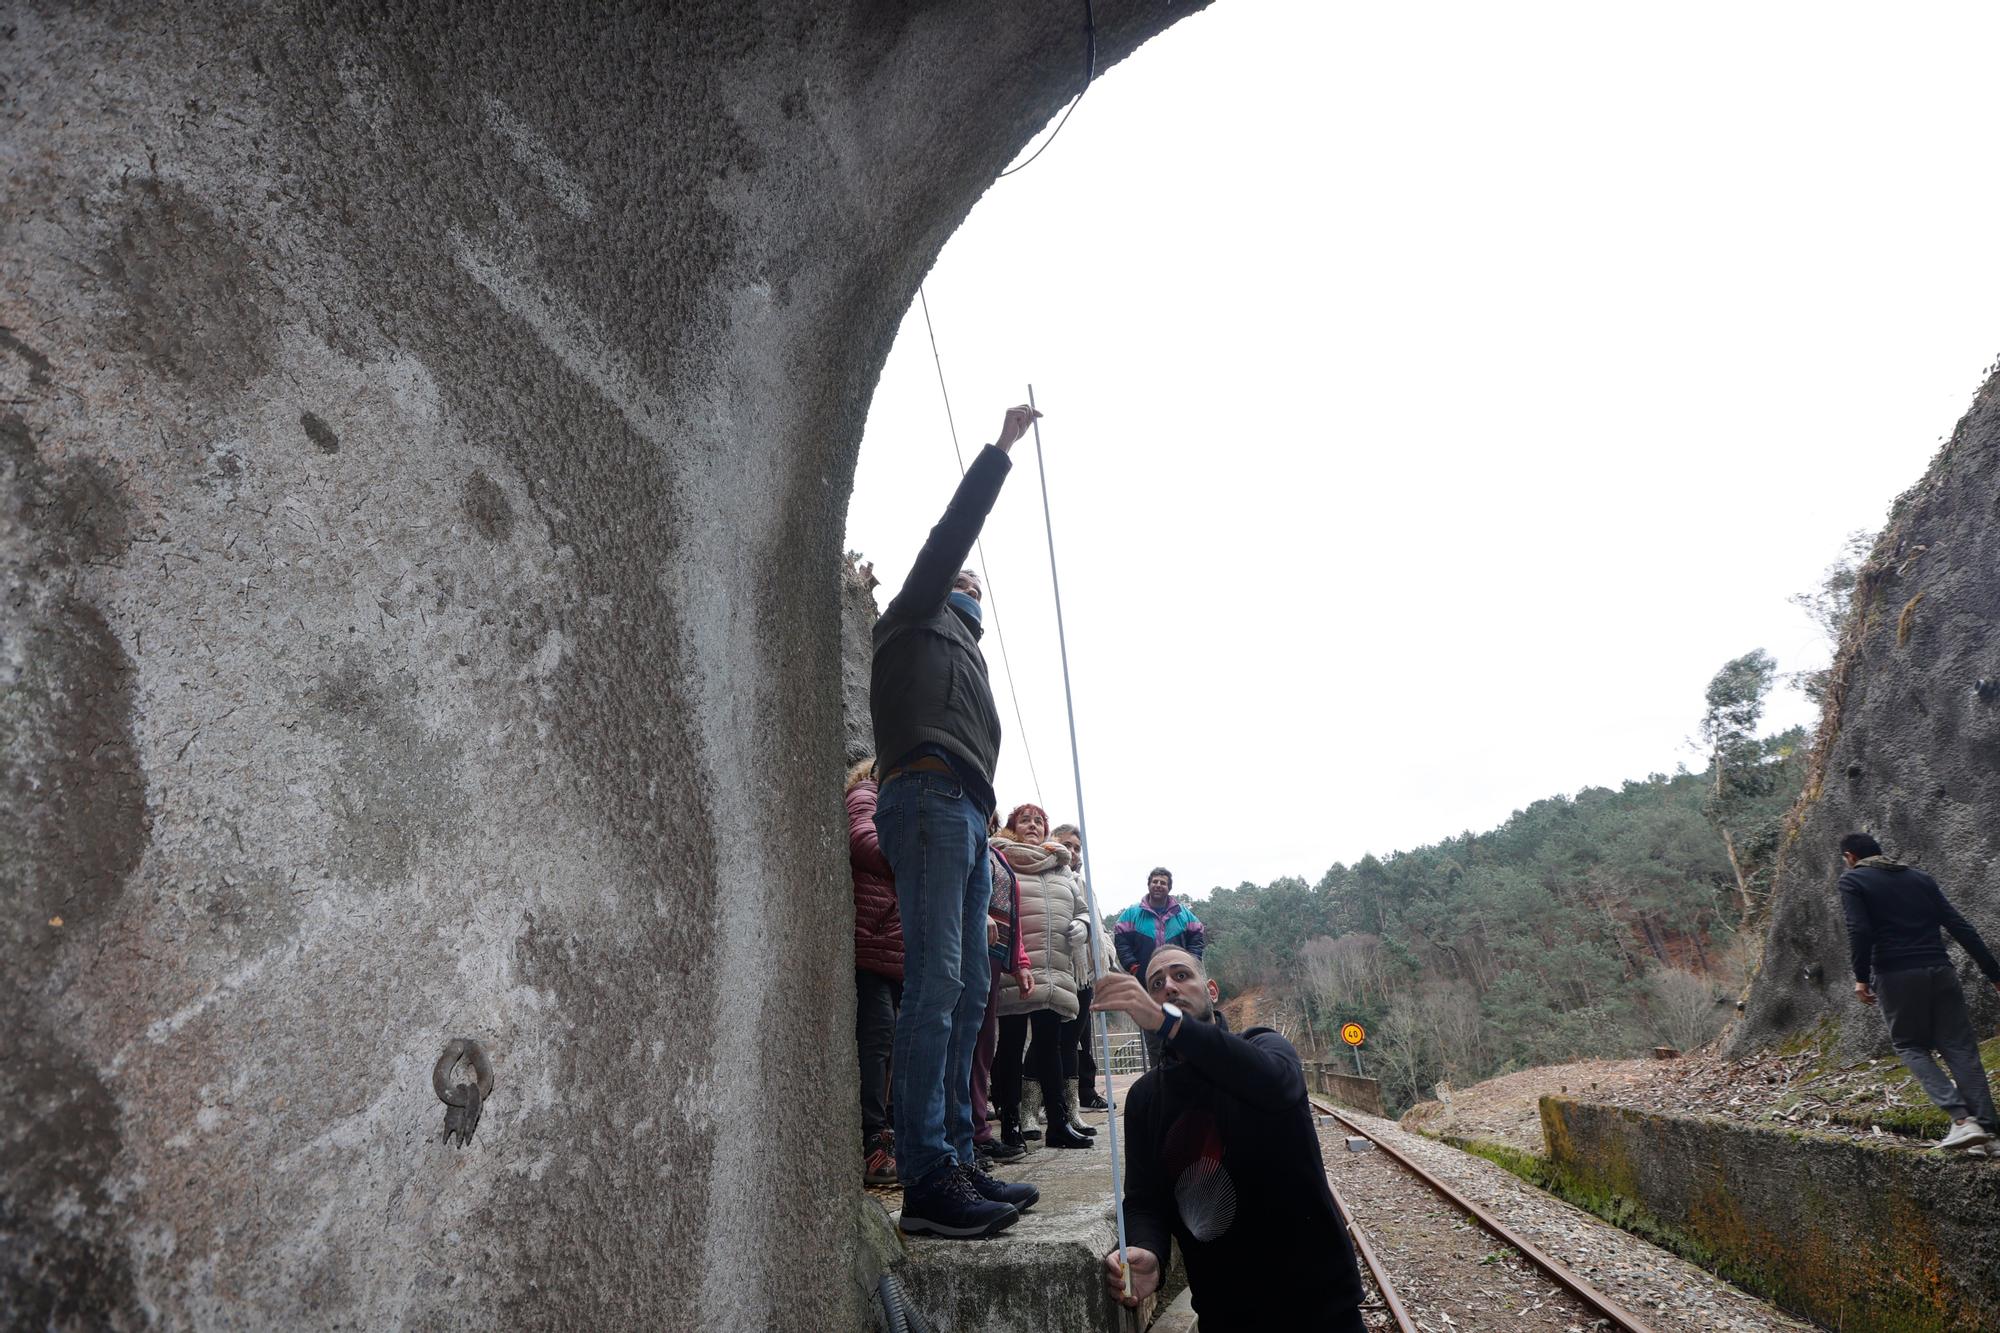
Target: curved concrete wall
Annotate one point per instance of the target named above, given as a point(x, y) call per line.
point(427, 432)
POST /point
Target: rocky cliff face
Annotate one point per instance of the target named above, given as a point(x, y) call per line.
point(425, 435)
point(857, 654)
point(1909, 747)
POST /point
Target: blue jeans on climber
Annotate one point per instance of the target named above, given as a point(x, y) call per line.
point(935, 838)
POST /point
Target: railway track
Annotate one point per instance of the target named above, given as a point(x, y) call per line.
point(1602, 1305)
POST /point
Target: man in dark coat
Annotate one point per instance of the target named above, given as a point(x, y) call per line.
point(1893, 914)
point(937, 737)
point(1222, 1156)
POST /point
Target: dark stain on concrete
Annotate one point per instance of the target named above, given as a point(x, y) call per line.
point(199, 306)
point(321, 434)
point(38, 364)
point(76, 796)
point(397, 786)
point(73, 827)
point(67, 1272)
point(487, 506)
point(79, 511)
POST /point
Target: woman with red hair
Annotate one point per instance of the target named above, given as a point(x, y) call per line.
point(1052, 928)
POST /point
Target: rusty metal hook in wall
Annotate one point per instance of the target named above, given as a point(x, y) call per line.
point(463, 1101)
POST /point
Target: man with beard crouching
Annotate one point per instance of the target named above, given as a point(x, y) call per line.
point(1222, 1155)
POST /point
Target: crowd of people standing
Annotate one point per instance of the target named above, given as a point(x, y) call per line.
point(1034, 1069)
point(1001, 965)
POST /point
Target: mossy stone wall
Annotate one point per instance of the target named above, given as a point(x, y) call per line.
point(1849, 1234)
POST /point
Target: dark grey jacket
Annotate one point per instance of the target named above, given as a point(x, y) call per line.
point(928, 683)
point(1894, 912)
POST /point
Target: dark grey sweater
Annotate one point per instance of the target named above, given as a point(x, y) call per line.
point(1894, 913)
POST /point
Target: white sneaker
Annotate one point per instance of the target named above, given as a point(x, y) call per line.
point(1983, 1150)
point(1965, 1134)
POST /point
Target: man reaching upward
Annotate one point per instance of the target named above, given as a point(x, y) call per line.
point(937, 735)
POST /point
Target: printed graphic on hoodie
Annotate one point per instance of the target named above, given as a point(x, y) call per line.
point(1203, 1191)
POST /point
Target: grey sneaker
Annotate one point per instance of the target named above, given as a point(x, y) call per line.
point(1965, 1134)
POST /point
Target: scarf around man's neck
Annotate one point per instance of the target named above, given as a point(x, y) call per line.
point(968, 609)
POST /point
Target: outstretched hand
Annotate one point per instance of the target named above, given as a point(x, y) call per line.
point(1016, 425)
point(1145, 1275)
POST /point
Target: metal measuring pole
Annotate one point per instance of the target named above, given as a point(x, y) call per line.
point(1083, 831)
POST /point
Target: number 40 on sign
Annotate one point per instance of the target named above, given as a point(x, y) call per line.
point(1354, 1034)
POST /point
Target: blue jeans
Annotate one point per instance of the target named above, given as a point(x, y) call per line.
point(935, 840)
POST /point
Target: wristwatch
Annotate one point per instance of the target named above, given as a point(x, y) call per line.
point(1173, 1023)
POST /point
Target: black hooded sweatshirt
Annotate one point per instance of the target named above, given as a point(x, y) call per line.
point(1222, 1155)
point(1893, 915)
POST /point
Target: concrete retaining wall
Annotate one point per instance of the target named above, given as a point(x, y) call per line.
point(1363, 1094)
point(1849, 1234)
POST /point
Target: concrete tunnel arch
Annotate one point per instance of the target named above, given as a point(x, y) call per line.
point(427, 443)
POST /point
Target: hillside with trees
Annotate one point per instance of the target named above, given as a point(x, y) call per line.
point(1599, 924)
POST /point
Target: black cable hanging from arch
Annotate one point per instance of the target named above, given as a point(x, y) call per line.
point(1089, 77)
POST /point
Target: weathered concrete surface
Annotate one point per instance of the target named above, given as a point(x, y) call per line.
point(1909, 747)
point(1848, 1234)
point(427, 433)
point(1042, 1273)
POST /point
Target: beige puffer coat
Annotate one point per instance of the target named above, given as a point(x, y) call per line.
point(1052, 928)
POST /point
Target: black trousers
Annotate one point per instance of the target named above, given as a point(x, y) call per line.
point(1045, 1059)
point(1078, 1059)
point(876, 999)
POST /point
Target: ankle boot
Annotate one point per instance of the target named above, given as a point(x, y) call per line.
point(1031, 1106)
point(1010, 1131)
point(1076, 1112)
point(1062, 1134)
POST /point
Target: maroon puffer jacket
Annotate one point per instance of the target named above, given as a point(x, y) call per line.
point(878, 930)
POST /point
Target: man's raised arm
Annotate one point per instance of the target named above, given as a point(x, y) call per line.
point(951, 540)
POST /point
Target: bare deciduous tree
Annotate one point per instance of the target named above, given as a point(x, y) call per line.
point(1682, 1008)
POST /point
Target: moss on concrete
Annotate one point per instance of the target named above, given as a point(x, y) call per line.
point(1849, 1234)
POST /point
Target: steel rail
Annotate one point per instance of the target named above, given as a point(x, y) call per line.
point(1569, 1281)
point(1387, 1289)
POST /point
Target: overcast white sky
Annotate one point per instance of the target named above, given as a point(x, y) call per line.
point(1438, 394)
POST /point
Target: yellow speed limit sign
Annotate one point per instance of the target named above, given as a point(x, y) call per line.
point(1353, 1034)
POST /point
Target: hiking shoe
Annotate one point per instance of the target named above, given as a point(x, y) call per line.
point(1965, 1134)
point(878, 1167)
point(1019, 1193)
point(1000, 1150)
point(944, 1204)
